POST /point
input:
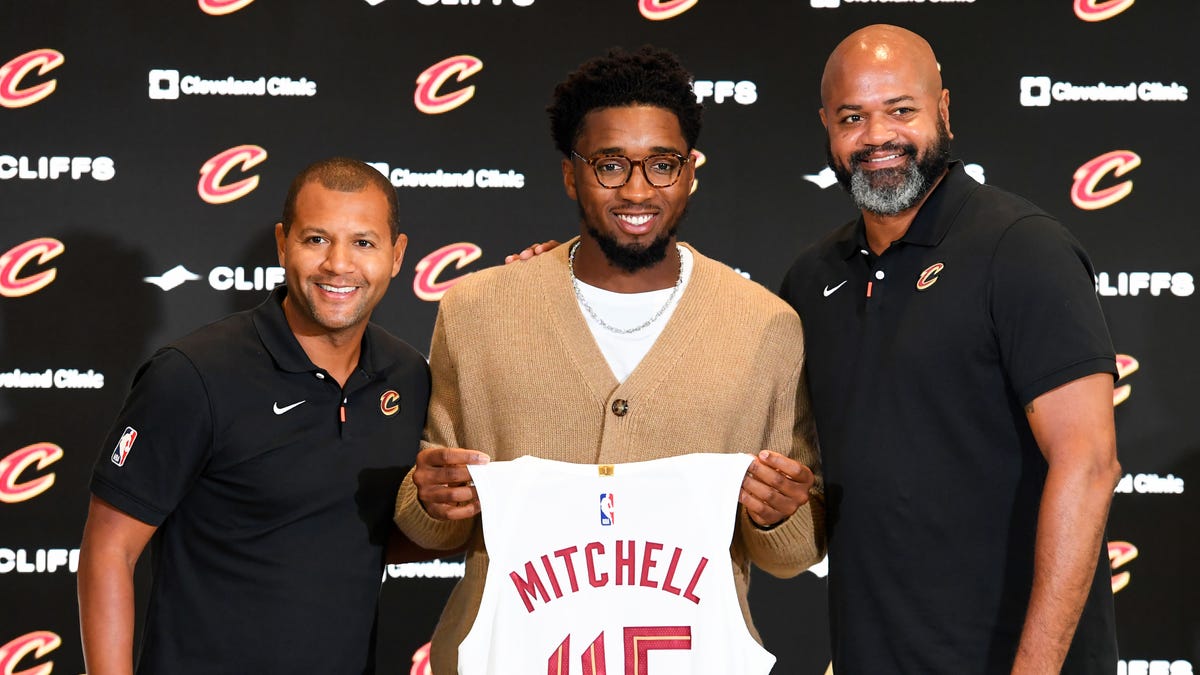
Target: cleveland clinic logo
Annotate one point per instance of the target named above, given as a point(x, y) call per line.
point(166, 84)
point(440, 178)
point(1038, 91)
point(14, 92)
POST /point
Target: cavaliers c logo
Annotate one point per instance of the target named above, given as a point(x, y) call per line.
point(661, 10)
point(698, 160)
point(11, 467)
point(930, 276)
point(426, 284)
point(42, 248)
point(220, 7)
point(1100, 10)
point(39, 642)
point(429, 83)
point(389, 402)
point(11, 74)
point(211, 188)
point(1120, 553)
point(1126, 365)
point(1119, 162)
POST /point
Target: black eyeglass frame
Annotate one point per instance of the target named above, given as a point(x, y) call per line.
point(683, 162)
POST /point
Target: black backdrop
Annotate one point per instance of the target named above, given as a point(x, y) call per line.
point(110, 244)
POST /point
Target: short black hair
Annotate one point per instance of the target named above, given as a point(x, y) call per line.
point(344, 175)
point(650, 76)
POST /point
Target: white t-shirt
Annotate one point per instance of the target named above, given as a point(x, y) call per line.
point(622, 573)
point(624, 351)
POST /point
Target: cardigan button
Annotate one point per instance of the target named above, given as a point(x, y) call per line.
point(620, 407)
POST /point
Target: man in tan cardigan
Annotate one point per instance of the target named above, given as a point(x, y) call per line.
point(621, 345)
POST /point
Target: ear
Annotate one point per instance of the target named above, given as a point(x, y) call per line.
point(944, 110)
point(280, 244)
point(398, 253)
point(824, 120)
point(568, 172)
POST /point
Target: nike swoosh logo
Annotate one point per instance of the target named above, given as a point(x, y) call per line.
point(830, 291)
point(280, 411)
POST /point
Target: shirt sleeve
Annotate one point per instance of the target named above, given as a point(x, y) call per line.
point(1045, 311)
point(159, 443)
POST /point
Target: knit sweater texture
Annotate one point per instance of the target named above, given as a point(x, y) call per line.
point(517, 372)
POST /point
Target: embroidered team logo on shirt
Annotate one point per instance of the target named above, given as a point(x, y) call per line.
point(930, 276)
point(124, 445)
point(389, 402)
point(606, 508)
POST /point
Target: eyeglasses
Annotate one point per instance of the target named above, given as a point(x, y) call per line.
point(613, 171)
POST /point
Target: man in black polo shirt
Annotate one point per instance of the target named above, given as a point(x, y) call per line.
point(261, 456)
point(961, 377)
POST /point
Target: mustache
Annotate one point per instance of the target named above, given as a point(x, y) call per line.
point(892, 146)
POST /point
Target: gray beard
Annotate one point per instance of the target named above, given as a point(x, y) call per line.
point(888, 191)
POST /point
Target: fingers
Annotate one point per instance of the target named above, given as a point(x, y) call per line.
point(526, 253)
point(444, 484)
point(774, 487)
point(531, 251)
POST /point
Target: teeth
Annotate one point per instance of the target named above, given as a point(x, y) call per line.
point(637, 220)
point(337, 289)
point(884, 159)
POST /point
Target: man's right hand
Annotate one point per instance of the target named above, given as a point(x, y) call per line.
point(444, 484)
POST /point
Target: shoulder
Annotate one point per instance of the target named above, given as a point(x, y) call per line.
point(504, 285)
point(992, 212)
point(810, 260)
point(220, 342)
point(391, 348)
point(742, 300)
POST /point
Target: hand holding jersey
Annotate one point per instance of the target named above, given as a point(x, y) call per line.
point(444, 484)
point(775, 486)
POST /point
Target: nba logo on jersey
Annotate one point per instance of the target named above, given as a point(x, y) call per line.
point(606, 508)
point(123, 446)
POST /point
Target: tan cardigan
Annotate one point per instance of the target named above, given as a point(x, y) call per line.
point(516, 371)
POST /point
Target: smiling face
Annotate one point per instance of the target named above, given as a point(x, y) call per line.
point(887, 118)
point(633, 224)
point(338, 257)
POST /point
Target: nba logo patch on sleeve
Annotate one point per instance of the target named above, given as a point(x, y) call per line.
point(606, 508)
point(124, 445)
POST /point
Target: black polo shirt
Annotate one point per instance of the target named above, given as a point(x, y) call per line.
point(920, 362)
point(272, 488)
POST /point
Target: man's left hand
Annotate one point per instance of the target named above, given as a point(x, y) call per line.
point(774, 487)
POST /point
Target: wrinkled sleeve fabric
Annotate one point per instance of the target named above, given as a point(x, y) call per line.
point(1044, 308)
point(796, 543)
point(167, 426)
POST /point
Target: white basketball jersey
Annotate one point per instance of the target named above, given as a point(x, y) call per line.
point(625, 573)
